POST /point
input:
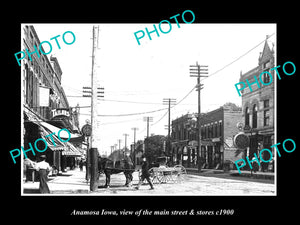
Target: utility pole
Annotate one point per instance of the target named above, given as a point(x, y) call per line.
point(125, 141)
point(111, 149)
point(125, 147)
point(93, 150)
point(134, 136)
point(198, 71)
point(119, 140)
point(87, 92)
point(169, 102)
point(148, 119)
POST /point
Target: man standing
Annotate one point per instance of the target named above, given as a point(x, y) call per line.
point(129, 169)
point(43, 168)
point(145, 174)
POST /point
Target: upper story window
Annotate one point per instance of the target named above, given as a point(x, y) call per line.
point(266, 103)
point(247, 116)
point(254, 116)
point(266, 113)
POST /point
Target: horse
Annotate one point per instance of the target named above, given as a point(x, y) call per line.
point(109, 167)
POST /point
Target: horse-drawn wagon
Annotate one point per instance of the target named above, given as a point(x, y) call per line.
point(160, 172)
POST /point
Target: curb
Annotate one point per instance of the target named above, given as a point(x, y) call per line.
point(254, 175)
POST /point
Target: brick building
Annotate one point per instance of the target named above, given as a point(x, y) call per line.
point(42, 96)
point(258, 105)
point(218, 128)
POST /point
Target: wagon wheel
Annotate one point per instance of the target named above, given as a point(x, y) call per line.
point(180, 173)
point(155, 175)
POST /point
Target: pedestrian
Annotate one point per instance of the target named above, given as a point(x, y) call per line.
point(145, 173)
point(255, 166)
point(43, 168)
point(129, 168)
point(81, 165)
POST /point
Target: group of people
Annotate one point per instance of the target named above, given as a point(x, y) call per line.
point(44, 169)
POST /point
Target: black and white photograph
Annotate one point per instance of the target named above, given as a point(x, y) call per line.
point(133, 114)
point(147, 111)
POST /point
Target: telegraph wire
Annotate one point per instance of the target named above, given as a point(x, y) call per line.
point(132, 114)
point(217, 71)
point(141, 113)
point(128, 114)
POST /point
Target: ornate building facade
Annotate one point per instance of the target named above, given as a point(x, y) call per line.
point(259, 104)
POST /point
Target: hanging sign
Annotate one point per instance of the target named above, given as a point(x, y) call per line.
point(44, 96)
point(86, 130)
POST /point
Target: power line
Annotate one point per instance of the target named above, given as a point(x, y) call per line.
point(217, 71)
point(129, 114)
point(184, 97)
point(116, 122)
point(134, 102)
point(179, 102)
point(160, 119)
point(238, 57)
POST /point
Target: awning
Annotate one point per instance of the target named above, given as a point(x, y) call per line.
point(63, 135)
point(71, 151)
point(59, 146)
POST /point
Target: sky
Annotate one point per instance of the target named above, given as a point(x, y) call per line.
point(136, 78)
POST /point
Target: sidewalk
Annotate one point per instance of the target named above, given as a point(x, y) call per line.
point(70, 182)
point(235, 173)
point(260, 175)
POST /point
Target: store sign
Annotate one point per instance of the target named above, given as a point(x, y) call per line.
point(216, 140)
point(60, 112)
point(229, 141)
point(193, 143)
point(185, 151)
point(44, 96)
point(241, 140)
point(86, 130)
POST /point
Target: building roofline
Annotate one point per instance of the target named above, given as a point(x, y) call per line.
point(54, 59)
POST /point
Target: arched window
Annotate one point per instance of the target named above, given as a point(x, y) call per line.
point(254, 116)
point(247, 116)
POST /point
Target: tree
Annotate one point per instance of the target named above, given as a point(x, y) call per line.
point(154, 146)
point(231, 106)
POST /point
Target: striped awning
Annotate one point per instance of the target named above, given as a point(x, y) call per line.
point(63, 135)
point(71, 151)
point(57, 145)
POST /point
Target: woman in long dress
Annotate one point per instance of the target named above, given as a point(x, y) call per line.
point(43, 168)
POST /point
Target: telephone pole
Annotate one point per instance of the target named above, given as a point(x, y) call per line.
point(169, 102)
point(148, 119)
point(93, 150)
point(111, 149)
point(198, 71)
point(134, 137)
point(126, 135)
point(119, 140)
